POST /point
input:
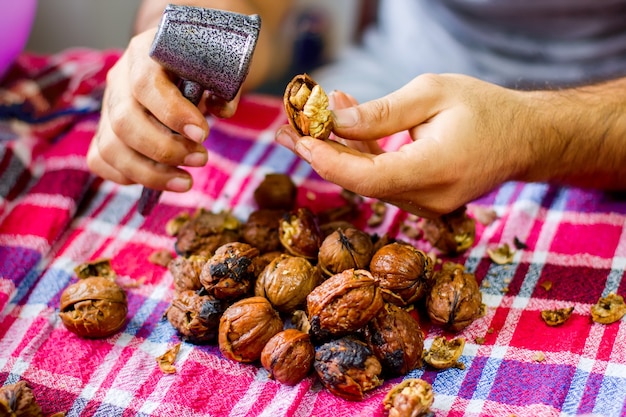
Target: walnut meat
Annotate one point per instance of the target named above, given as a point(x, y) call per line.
point(455, 300)
point(205, 232)
point(195, 316)
point(286, 282)
point(403, 272)
point(17, 400)
point(344, 249)
point(343, 303)
point(412, 397)
point(261, 230)
point(276, 192)
point(451, 233)
point(396, 339)
point(245, 327)
point(94, 307)
point(347, 368)
point(300, 234)
point(306, 105)
point(608, 309)
point(230, 273)
point(186, 272)
point(288, 356)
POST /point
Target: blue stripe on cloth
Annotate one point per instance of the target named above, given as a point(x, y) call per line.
point(611, 398)
point(52, 282)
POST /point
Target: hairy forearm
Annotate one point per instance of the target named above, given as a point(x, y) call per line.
point(577, 136)
point(269, 57)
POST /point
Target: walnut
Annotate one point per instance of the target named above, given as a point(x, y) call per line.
point(347, 368)
point(173, 226)
point(160, 257)
point(306, 105)
point(455, 300)
point(557, 316)
point(186, 272)
point(230, 273)
point(286, 282)
point(205, 232)
point(344, 249)
point(195, 316)
point(403, 272)
point(608, 309)
point(246, 326)
point(412, 397)
point(396, 339)
point(451, 233)
point(343, 303)
point(94, 307)
point(276, 192)
point(261, 230)
point(17, 400)
point(288, 356)
point(445, 353)
point(300, 234)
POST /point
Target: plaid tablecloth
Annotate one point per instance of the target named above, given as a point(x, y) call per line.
point(55, 215)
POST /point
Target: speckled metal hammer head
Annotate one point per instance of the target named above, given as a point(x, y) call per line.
point(210, 47)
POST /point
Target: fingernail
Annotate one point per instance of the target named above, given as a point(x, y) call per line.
point(179, 184)
point(346, 117)
point(286, 137)
point(331, 100)
point(196, 159)
point(195, 133)
point(302, 149)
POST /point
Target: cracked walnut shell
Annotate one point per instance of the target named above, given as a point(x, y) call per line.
point(306, 105)
point(412, 397)
point(608, 309)
point(17, 400)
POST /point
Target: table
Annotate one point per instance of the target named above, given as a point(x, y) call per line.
point(55, 215)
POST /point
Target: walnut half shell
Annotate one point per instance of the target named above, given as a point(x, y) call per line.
point(306, 105)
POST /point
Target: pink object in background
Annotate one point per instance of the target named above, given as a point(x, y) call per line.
point(16, 21)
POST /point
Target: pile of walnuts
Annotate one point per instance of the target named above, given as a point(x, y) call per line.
point(299, 296)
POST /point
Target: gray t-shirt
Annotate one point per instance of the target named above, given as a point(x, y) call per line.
point(516, 43)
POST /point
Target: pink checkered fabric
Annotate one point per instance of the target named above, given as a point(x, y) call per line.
point(55, 215)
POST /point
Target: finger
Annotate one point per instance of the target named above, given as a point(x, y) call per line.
point(403, 109)
point(340, 100)
point(217, 106)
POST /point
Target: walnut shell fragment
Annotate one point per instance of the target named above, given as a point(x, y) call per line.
point(343, 303)
point(306, 105)
point(412, 397)
point(245, 327)
point(347, 368)
point(97, 268)
point(288, 356)
point(17, 400)
point(166, 360)
point(94, 307)
point(608, 309)
point(557, 316)
point(444, 353)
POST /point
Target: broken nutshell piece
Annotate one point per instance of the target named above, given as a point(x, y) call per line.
point(412, 397)
point(288, 356)
point(17, 400)
point(166, 360)
point(97, 268)
point(306, 105)
point(608, 309)
point(444, 353)
point(557, 316)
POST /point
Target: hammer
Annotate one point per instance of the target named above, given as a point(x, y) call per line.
point(207, 49)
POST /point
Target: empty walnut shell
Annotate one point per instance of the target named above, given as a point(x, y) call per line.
point(186, 272)
point(286, 282)
point(245, 327)
point(261, 230)
point(17, 400)
point(205, 232)
point(347, 368)
point(306, 105)
point(195, 316)
point(403, 272)
point(451, 233)
point(288, 356)
point(444, 353)
point(455, 300)
point(344, 249)
point(276, 192)
point(343, 303)
point(94, 307)
point(608, 309)
point(412, 397)
point(396, 339)
point(230, 273)
point(300, 234)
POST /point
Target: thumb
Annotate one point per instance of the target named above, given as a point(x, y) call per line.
point(403, 109)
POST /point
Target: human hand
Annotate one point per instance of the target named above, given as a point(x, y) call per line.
point(466, 140)
point(147, 127)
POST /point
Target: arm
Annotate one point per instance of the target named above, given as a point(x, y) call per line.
point(469, 136)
